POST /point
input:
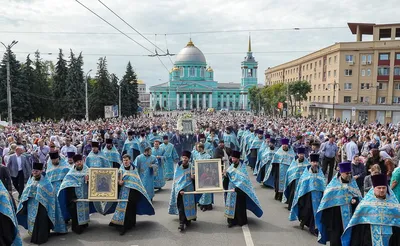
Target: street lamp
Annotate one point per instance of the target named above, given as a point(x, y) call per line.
point(334, 96)
point(86, 95)
point(8, 50)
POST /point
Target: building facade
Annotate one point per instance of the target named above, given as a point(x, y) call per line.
point(144, 96)
point(357, 81)
point(191, 84)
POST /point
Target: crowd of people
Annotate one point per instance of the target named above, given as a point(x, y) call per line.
point(339, 179)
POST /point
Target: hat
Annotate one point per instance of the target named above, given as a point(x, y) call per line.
point(77, 158)
point(187, 154)
point(202, 136)
point(272, 140)
point(155, 130)
point(37, 166)
point(165, 137)
point(70, 154)
point(250, 125)
point(157, 140)
point(379, 180)
point(235, 154)
point(314, 157)
point(285, 141)
point(260, 132)
point(267, 136)
point(54, 155)
point(345, 167)
point(301, 150)
point(95, 144)
point(130, 133)
point(109, 141)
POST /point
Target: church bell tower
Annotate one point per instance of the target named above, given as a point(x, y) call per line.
point(249, 69)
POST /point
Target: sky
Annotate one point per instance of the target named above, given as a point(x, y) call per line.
point(219, 28)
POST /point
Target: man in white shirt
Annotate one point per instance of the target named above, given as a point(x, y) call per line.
point(352, 148)
point(68, 147)
point(20, 169)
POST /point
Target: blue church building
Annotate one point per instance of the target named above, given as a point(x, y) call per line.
point(191, 84)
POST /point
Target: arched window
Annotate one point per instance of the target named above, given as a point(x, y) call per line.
point(249, 73)
point(192, 71)
point(202, 72)
point(181, 71)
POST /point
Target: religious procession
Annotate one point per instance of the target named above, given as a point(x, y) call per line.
point(340, 181)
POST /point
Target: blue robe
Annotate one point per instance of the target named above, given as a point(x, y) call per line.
point(171, 156)
point(159, 179)
point(260, 151)
point(255, 144)
point(112, 155)
point(145, 165)
point(183, 181)
point(211, 144)
point(231, 141)
point(7, 209)
point(129, 145)
point(308, 182)
point(340, 195)
point(56, 174)
point(36, 193)
point(294, 173)
point(284, 158)
point(238, 178)
point(153, 138)
point(131, 181)
point(143, 144)
point(266, 160)
point(380, 215)
point(206, 198)
point(247, 139)
point(98, 160)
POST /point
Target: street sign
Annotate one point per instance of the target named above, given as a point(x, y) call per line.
point(353, 111)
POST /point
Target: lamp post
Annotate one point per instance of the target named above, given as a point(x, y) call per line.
point(334, 96)
point(86, 95)
point(9, 108)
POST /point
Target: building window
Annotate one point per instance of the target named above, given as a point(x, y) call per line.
point(329, 60)
point(363, 59)
point(381, 100)
point(397, 86)
point(310, 65)
point(368, 72)
point(307, 66)
point(309, 99)
point(334, 73)
point(348, 72)
point(329, 74)
point(397, 56)
point(319, 98)
point(314, 98)
point(384, 57)
point(319, 63)
point(397, 71)
point(319, 87)
point(362, 72)
point(319, 75)
point(181, 71)
point(250, 73)
point(335, 59)
point(369, 60)
point(323, 98)
point(396, 100)
point(202, 72)
point(323, 87)
point(315, 75)
point(349, 58)
point(380, 86)
point(364, 86)
point(383, 71)
point(347, 86)
point(329, 87)
point(329, 98)
point(347, 99)
point(315, 87)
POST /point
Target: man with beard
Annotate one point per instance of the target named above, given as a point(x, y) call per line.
point(339, 202)
point(230, 139)
point(243, 198)
point(308, 195)
point(281, 161)
point(206, 199)
point(112, 154)
point(223, 153)
point(158, 152)
point(57, 168)
point(264, 174)
point(179, 203)
point(293, 175)
point(254, 147)
point(143, 142)
point(131, 146)
point(96, 158)
point(264, 145)
point(75, 184)
point(9, 232)
point(375, 221)
point(171, 156)
point(36, 207)
point(70, 160)
point(146, 165)
point(132, 190)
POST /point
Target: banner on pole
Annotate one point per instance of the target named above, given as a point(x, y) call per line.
point(110, 111)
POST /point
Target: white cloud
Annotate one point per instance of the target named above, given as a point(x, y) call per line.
point(171, 16)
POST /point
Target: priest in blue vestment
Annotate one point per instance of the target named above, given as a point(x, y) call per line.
point(146, 165)
point(96, 158)
point(254, 148)
point(308, 195)
point(293, 175)
point(247, 139)
point(264, 145)
point(171, 156)
point(131, 146)
point(36, 208)
point(281, 161)
point(264, 175)
point(213, 141)
point(230, 139)
point(154, 136)
point(339, 202)
point(112, 154)
point(130, 189)
point(179, 203)
point(376, 221)
point(57, 168)
point(70, 160)
point(143, 142)
point(9, 232)
point(158, 152)
point(244, 197)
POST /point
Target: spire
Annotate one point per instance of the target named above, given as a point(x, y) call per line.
point(190, 43)
point(249, 43)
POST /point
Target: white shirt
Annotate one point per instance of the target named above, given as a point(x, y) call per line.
point(66, 149)
point(351, 150)
point(19, 162)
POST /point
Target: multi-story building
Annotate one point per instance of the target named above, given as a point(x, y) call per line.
point(144, 97)
point(357, 81)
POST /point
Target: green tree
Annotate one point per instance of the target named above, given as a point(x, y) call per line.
point(158, 107)
point(298, 90)
point(59, 85)
point(41, 99)
point(23, 109)
point(256, 98)
point(129, 92)
point(75, 88)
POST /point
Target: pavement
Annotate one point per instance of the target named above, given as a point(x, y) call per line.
point(272, 229)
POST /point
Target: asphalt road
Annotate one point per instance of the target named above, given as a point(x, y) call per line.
point(273, 228)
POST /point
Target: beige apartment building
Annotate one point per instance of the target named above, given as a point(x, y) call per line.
point(357, 81)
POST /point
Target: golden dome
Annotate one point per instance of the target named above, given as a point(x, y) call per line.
point(209, 69)
point(190, 43)
point(139, 81)
point(175, 69)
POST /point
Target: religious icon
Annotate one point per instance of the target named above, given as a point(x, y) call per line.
point(103, 184)
point(208, 175)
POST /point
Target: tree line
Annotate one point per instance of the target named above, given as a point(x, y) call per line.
point(41, 90)
point(266, 99)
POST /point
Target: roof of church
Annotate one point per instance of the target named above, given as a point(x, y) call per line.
point(190, 54)
point(230, 85)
